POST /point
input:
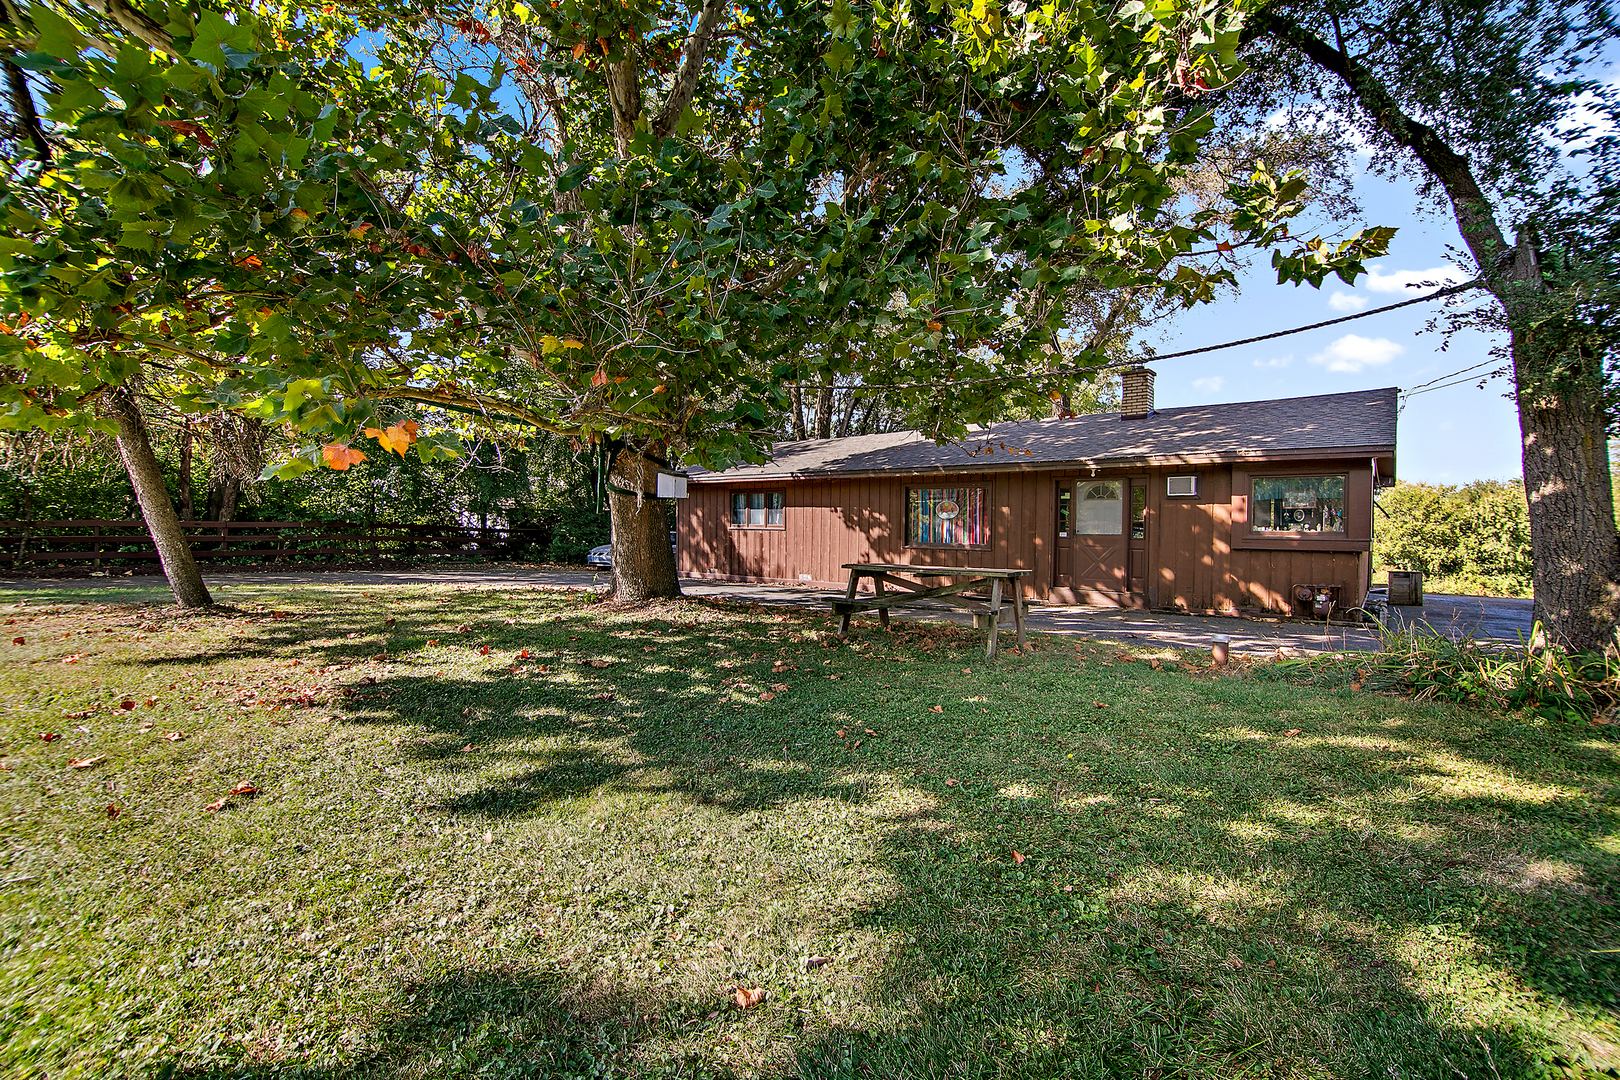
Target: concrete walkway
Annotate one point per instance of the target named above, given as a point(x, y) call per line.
point(1483, 617)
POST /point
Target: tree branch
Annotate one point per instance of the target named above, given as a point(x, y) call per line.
point(1475, 216)
point(136, 23)
point(686, 79)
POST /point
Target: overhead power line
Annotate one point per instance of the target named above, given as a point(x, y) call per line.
point(1449, 290)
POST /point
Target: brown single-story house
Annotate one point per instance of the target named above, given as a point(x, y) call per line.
point(1210, 508)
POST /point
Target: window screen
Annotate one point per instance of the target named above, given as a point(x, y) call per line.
point(1101, 510)
point(757, 508)
point(951, 517)
point(1298, 504)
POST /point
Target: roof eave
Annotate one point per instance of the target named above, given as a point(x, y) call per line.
point(1122, 462)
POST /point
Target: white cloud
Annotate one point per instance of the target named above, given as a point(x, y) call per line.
point(1210, 385)
point(1275, 361)
point(1406, 281)
point(1353, 352)
point(1343, 301)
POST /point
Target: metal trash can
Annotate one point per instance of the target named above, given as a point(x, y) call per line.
point(1406, 588)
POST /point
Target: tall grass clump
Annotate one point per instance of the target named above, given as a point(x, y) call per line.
point(1424, 664)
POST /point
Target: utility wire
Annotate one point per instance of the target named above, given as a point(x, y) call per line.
point(1441, 383)
point(1111, 365)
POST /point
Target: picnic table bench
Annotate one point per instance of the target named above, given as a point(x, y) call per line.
point(965, 578)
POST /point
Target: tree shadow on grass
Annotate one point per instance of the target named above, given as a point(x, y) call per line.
point(1254, 901)
point(493, 1024)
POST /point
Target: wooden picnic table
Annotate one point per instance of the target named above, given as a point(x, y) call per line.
point(965, 578)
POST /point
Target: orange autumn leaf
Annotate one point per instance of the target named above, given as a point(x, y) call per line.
point(218, 804)
point(340, 457)
point(85, 763)
point(244, 788)
point(599, 378)
point(579, 49)
point(187, 127)
point(747, 999)
point(1017, 858)
point(396, 437)
point(1291, 732)
point(252, 261)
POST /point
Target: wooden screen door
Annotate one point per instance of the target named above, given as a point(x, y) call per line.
point(1098, 539)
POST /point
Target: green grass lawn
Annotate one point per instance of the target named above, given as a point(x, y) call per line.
point(461, 861)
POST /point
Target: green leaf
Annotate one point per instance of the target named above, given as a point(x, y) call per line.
point(56, 36)
point(573, 176)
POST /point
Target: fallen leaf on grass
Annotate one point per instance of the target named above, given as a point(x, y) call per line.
point(523, 654)
point(280, 723)
point(1100, 704)
point(433, 641)
point(470, 747)
point(113, 810)
point(85, 763)
point(49, 736)
point(126, 704)
point(1017, 858)
point(174, 736)
point(746, 999)
point(483, 650)
point(856, 745)
point(599, 663)
point(835, 676)
point(244, 788)
point(19, 641)
point(813, 962)
point(767, 696)
point(1233, 962)
point(778, 688)
point(73, 658)
point(950, 783)
point(936, 708)
point(463, 628)
point(1291, 732)
point(842, 734)
point(1355, 687)
point(218, 804)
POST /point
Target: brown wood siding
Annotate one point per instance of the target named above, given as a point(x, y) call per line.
point(1192, 561)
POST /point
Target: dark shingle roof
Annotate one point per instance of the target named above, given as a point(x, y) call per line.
point(1286, 427)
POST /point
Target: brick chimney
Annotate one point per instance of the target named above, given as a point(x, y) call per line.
point(1137, 397)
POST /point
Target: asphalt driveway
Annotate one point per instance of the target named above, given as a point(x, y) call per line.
point(1482, 617)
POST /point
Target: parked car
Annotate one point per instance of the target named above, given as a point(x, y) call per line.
point(602, 554)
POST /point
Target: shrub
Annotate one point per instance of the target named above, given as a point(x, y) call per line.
point(1422, 663)
point(1474, 538)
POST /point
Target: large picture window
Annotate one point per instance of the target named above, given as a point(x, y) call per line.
point(947, 517)
point(757, 509)
point(1298, 504)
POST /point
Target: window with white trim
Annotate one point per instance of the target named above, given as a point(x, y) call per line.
point(757, 509)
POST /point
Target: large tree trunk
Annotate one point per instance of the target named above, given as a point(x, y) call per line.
point(643, 561)
point(824, 410)
point(1563, 420)
point(146, 477)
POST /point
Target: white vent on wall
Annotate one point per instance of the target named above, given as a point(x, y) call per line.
point(1181, 487)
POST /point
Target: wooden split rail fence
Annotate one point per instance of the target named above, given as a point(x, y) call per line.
point(38, 544)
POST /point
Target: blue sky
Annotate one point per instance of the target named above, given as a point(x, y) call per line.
point(1449, 436)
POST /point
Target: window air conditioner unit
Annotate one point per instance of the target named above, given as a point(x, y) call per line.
point(1181, 487)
